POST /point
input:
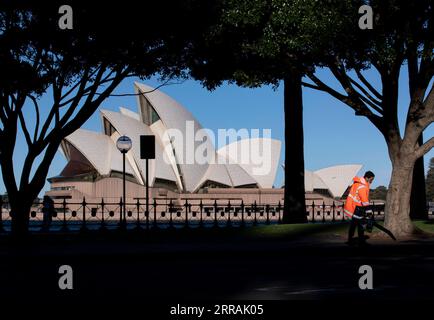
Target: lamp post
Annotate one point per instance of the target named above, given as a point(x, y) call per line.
point(123, 144)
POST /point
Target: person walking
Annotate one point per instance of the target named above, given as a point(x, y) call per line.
point(357, 206)
point(47, 211)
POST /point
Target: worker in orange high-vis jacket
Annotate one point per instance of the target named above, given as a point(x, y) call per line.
point(357, 205)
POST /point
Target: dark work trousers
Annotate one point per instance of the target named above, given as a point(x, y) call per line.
point(356, 223)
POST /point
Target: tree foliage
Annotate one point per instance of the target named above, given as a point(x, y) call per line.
point(403, 32)
point(259, 42)
point(75, 70)
point(379, 193)
point(262, 42)
point(402, 35)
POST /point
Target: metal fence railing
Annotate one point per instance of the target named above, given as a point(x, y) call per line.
point(166, 213)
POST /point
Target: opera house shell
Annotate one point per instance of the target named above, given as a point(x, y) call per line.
point(94, 167)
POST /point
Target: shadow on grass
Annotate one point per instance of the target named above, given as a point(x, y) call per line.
point(295, 231)
point(187, 235)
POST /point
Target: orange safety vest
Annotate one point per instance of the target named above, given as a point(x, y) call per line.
point(358, 196)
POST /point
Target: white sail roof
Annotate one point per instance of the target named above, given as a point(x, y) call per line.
point(313, 181)
point(129, 113)
point(99, 150)
point(159, 114)
point(244, 162)
point(175, 116)
point(338, 178)
point(259, 157)
point(133, 128)
point(217, 173)
point(335, 179)
point(239, 176)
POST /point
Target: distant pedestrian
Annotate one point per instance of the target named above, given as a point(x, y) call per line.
point(47, 210)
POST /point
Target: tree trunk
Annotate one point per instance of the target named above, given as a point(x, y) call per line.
point(20, 213)
point(397, 210)
point(294, 197)
point(418, 209)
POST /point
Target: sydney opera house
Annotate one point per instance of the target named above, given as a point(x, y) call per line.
point(94, 164)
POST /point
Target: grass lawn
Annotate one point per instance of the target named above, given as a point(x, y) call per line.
point(296, 230)
point(306, 230)
point(427, 226)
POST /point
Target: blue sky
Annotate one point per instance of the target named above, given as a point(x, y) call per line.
point(333, 134)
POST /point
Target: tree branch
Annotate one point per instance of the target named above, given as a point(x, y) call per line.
point(368, 85)
point(86, 75)
point(412, 69)
point(63, 121)
point(345, 82)
point(92, 88)
point(37, 58)
point(364, 91)
point(141, 93)
point(421, 114)
point(87, 111)
point(429, 100)
point(323, 87)
point(38, 179)
point(372, 102)
point(6, 156)
point(54, 143)
point(3, 106)
point(7, 168)
point(86, 91)
point(56, 105)
point(423, 149)
point(310, 85)
point(357, 106)
point(427, 61)
point(35, 104)
point(25, 130)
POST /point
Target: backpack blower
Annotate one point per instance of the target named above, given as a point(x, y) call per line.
point(368, 222)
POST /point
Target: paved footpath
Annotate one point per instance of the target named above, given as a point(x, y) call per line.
point(129, 271)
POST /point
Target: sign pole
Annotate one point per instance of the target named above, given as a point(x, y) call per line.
point(147, 151)
point(147, 188)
